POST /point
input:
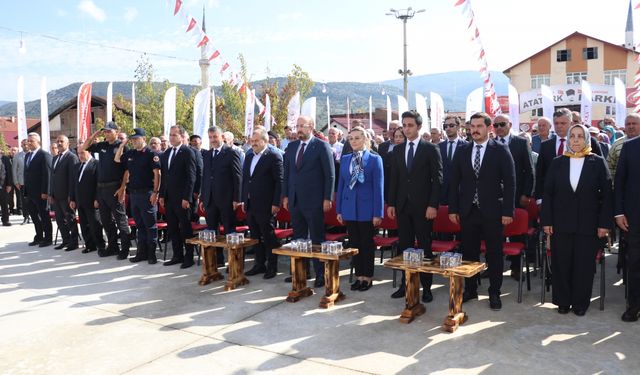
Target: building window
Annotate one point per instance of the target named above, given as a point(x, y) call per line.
point(590, 53)
point(537, 112)
point(576, 78)
point(609, 76)
point(539, 79)
point(610, 110)
point(563, 55)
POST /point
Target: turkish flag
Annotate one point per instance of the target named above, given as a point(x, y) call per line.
point(192, 24)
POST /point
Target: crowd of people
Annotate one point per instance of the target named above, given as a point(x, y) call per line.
point(580, 177)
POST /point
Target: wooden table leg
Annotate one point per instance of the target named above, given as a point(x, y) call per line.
point(209, 266)
point(332, 293)
point(236, 268)
point(299, 288)
point(413, 308)
point(456, 316)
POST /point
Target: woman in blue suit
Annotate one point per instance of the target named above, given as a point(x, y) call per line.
point(359, 202)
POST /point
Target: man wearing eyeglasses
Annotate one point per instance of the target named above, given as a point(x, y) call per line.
point(447, 151)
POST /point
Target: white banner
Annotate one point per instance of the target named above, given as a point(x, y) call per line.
point(403, 106)
point(309, 108)
point(328, 115)
point(421, 107)
point(546, 102)
point(169, 109)
point(437, 110)
point(585, 103)
point(133, 103)
point(621, 101)
point(514, 109)
point(475, 100)
point(44, 116)
point(213, 107)
point(249, 112)
point(389, 111)
point(110, 102)
point(370, 112)
point(293, 111)
point(267, 113)
point(22, 115)
point(201, 115)
point(565, 95)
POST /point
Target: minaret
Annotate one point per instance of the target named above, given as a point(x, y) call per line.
point(628, 39)
point(204, 63)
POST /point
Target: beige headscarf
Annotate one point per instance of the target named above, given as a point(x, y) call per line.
point(587, 139)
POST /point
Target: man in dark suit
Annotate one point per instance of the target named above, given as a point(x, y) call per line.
point(37, 176)
point(195, 143)
point(176, 192)
point(84, 197)
point(261, 187)
point(6, 186)
point(414, 193)
point(448, 151)
point(221, 184)
point(481, 199)
point(627, 214)
point(556, 146)
point(307, 191)
point(525, 175)
point(385, 147)
point(65, 165)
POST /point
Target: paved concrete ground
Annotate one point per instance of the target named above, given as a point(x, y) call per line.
point(71, 313)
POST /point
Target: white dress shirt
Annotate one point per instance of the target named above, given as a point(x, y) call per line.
point(482, 151)
point(575, 169)
point(254, 161)
point(415, 147)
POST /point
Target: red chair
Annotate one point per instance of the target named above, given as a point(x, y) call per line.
point(283, 218)
point(240, 217)
point(443, 225)
point(383, 240)
point(535, 233)
point(331, 220)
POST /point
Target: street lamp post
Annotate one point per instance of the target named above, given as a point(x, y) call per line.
point(404, 15)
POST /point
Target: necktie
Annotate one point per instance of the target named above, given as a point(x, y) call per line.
point(81, 171)
point(29, 156)
point(58, 160)
point(174, 151)
point(476, 170)
point(450, 151)
point(561, 148)
point(357, 174)
point(299, 157)
point(215, 153)
point(410, 156)
point(503, 141)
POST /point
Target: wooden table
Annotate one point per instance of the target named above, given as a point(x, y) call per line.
point(210, 264)
point(299, 288)
point(456, 275)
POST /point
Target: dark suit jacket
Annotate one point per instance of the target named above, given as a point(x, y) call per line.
point(585, 210)
point(8, 180)
point(523, 162)
point(63, 174)
point(262, 189)
point(383, 149)
point(222, 177)
point(37, 175)
point(545, 157)
point(199, 165)
point(420, 186)
point(627, 183)
point(446, 168)
point(314, 182)
point(84, 191)
point(495, 184)
point(178, 181)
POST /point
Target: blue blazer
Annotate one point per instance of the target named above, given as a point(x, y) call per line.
point(365, 200)
point(308, 186)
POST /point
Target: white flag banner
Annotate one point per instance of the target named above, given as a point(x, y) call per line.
point(621, 102)
point(421, 107)
point(267, 113)
point(328, 115)
point(293, 111)
point(475, 99)
point(403, 106)
point(213, 107)
point(348, 115)
point(370, 112)
point(547, 102)
point(585, 103)
point(249, 112)
point(389, 111)
point(201, 115)
point(110, 102)
point(44, 116)
point(22, 115)
point(514, 109)
point(437, 110)
point(309, 108)
point(169, 109)
point(133, 103)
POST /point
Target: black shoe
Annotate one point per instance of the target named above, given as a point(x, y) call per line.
point(34, 243)
point(495, 303)
point(123, 254)
point(87, 251)
point(631, 315)
point(71, 247)
point(137, 259)
point(173, 261)
point(256, 270)
point(107, 253)
point(400, 293)
point(356, 285)
point(288, 279)
point(187, 263)
point(427, 296)
point(61, 246)
point(270, 274)
point(7, 224)
point(563, 310)
point(152, 258)
point(515, 274)
point(365, 285)
point(579, 312)
point(24, 221)
point(45, 243)
point(468, 296)
point(319, 283)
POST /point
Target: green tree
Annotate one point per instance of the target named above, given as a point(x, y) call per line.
point(4, 148)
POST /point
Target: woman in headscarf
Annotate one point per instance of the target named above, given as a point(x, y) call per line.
point(576, 213)
point(611, 133)
point(359, 202)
